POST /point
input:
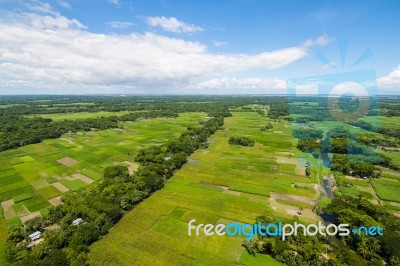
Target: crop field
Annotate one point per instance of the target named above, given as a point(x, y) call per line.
point(383, 120)
point(327, 125)
point(387, 188)
point(33, 176)
point(221, 184)
point(79, 115)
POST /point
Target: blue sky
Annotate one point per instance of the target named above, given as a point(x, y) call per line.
point(190, 47)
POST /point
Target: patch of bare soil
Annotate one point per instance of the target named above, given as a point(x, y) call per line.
point(289, 197)
point(67, 161)
point(30, 216)
point(132, 167)
point(60, 187)
point(55, 201)
point(83, 178)
point(286, 160)
point(8, 209)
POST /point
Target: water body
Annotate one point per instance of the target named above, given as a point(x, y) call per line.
point(325, 160)
point(328, 187)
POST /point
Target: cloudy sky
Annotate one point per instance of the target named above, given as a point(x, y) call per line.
point(192, 47)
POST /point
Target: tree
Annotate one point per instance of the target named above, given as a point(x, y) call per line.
point(362, 248)
point(243, 141)
point(308, 169)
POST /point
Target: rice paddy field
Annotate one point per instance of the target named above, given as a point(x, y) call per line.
point(383, 120)
point(33, 177)
point(79, 115)
point(221, 184)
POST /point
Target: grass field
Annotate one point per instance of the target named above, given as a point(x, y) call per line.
point(387, 189)
point(33, 174)
point(221, 184)
point(383, 121)
point(79, 115)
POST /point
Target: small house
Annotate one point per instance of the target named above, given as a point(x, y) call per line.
point(77, 221)
point(35, 236)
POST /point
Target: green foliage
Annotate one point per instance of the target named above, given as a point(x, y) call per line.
point(116, 171)
point(307, 134)
point(353, 250)
point(243, 141)
point(308, 145)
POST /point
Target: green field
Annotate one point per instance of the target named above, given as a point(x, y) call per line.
point(29, 175)
point(387, 189)
point(221, 184)
point(383, 121)
point(79, 115)
point(395, 155)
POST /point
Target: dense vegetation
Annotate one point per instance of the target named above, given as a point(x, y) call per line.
point(242, 141)
point(356, 250)
point(350, 155)
point(103, 205)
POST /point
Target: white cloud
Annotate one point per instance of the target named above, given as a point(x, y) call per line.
point(65, 4)
point(219, 43)
point(172, 24)
point(390, 83)
point(119, 24)
point(51, 53)
point(321, 41)
point(40, 7)
point(242, 86)
point(115, 2)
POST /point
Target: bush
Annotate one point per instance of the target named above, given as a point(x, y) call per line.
point(243, 141)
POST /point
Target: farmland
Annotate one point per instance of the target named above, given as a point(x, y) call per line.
point(221, 184)
point(34, 176)
point(80, 115)
point(143, 188)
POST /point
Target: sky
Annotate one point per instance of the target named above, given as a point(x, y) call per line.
point(194, 47)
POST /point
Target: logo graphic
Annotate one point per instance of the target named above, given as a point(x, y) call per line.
point(279, 229)
point(344, 99)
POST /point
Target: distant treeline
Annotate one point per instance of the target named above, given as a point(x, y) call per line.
point(102, 205)
point(17, 131)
